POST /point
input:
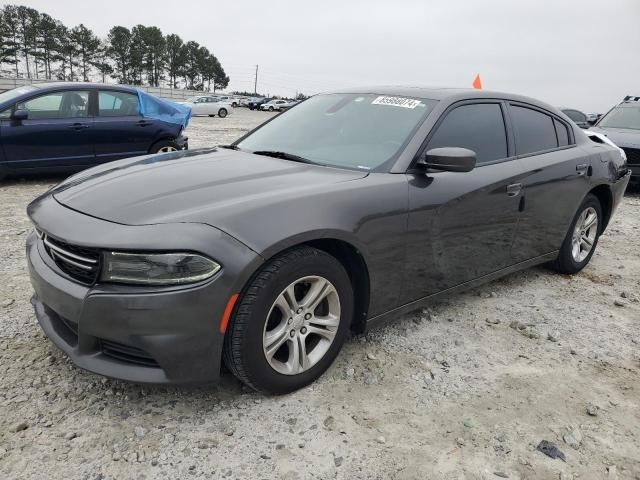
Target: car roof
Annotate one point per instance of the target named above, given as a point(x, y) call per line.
point(444, 93)
point(76, 85)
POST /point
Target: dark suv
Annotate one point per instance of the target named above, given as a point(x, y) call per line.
point(52, 127)
point(255, 103)
point(622, 125)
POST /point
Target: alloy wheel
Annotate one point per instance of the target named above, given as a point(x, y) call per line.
point(301, 325)
point(584, 234)
point(168, 148)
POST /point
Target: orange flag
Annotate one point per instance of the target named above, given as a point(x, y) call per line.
point(477, 83)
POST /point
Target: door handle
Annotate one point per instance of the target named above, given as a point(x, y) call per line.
point(79, 126)
point(144, 123)
point(582, 168)
point(514, 189)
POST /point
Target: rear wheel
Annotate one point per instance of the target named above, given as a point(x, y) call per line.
point(222, 112)
point(164, 146)
point(580, 243)
point(290, 322)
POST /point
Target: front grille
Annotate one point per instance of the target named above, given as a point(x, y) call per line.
point(128, 354)
point(633, 155)
point(81, 263)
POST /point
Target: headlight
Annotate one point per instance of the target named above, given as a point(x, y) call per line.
point(157, 268)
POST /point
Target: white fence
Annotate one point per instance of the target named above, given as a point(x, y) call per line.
point(170, 93)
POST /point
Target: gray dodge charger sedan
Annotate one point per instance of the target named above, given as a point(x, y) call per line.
point(349, 209)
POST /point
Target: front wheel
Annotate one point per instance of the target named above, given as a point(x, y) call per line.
point(222, 112)
point(580, 243)
point(271, 109)
point(290, 321)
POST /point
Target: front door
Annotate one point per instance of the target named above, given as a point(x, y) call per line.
point(461, 225)
point(56, 135)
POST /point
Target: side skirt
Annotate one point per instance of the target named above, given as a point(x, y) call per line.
point(422, 302)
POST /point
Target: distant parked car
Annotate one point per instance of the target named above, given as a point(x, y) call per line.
point(621, 125)
point(209, 105)
point(292, 103)
point(234, 101)
point(276, 105)
point(577, 116)
point(52, 127)
point(255, 102)
point(593, 118)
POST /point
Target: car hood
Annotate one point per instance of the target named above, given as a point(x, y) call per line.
point(206, 186)
point(620, 136)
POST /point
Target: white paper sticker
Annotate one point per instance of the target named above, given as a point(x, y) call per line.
point(396, 102)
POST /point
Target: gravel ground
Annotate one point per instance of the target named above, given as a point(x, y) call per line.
point(464, 390)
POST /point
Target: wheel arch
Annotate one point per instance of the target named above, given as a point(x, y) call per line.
point(605, 195)
point(352, 258)
point(356, 266)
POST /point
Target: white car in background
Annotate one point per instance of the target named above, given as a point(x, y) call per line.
point(211, 105)
point(278, 105)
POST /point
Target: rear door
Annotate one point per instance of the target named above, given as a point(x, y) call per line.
point(461, 225)
point(56, 135)
point(554, 174)
point(119, 129)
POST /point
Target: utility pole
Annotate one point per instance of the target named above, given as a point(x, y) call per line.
point(255, 85)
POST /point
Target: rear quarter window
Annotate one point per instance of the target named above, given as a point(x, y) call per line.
point(562, 132)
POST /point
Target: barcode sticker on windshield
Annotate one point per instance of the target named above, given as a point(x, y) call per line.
point(396, 102)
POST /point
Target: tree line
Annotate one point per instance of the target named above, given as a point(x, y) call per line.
point(37, 46)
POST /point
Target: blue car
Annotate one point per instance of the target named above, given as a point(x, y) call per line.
point(64, 127)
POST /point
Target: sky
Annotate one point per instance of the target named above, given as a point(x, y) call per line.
point(583, 54)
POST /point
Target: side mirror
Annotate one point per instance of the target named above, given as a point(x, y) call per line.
point(450, 159)
point(20, 114)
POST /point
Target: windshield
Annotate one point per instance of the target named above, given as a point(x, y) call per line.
point(16, 92)
point(624, 116)
point(360, 131)
point(193, 99)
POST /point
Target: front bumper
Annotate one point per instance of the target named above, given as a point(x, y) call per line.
point(139, 334)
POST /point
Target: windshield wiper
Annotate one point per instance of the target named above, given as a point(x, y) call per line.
point(284, 156)
point(230, 147)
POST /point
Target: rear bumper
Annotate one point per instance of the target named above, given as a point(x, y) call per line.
point(182, 142)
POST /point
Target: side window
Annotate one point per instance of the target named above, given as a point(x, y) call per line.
point(478, 127)
point(68, 104)
point(6, 113)
point(117, 104)
point(562, 132)
point(534, 130)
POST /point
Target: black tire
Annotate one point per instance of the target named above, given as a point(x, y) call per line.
point(243, 345)
point(271, 109)
point(566, 263)
point(156, 147)
point(222, 112)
